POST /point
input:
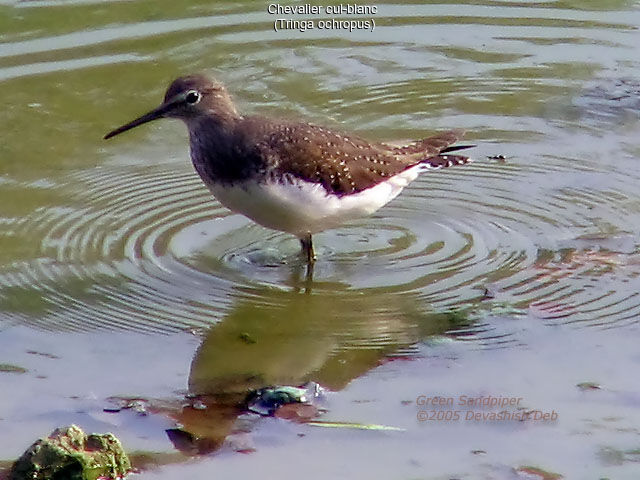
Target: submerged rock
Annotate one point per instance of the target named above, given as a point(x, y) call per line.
point(70, 454)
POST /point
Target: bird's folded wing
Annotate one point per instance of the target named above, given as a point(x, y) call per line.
point(344, 164)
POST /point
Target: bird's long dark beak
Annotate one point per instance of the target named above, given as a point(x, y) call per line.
point(154, 114)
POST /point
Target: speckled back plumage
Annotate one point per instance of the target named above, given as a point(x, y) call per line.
point(343, 164)
point(346, 164)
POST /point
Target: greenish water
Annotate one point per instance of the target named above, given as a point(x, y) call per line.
point(120, 276)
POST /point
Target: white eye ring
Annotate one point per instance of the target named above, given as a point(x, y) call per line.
point(192, 97)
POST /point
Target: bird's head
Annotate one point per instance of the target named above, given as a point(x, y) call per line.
point(189, 98)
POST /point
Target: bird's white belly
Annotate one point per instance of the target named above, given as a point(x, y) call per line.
point(300, 207)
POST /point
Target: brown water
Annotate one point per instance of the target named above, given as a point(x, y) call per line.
point(120, 276)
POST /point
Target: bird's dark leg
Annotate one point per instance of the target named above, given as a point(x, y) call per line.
point(307, 249)
point(309, 254)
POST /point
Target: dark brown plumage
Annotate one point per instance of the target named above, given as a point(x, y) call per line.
point(346, 164)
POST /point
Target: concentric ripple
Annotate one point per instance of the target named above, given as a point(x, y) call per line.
point(550, 230)
point(150, 249)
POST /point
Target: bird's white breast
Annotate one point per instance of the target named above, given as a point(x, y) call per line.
point(299, 207)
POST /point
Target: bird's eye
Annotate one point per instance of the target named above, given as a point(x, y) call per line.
point(192, 97)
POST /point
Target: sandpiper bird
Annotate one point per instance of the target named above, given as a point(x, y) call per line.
point(289, 176)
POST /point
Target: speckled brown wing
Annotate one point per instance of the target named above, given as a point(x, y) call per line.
point(345, 164)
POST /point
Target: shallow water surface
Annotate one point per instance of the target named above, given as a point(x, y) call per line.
point(517, 275)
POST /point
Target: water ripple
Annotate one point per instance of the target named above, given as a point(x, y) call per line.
point(151, 249)
point(552, 230)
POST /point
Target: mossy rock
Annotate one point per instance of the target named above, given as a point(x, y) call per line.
point(70, 454)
